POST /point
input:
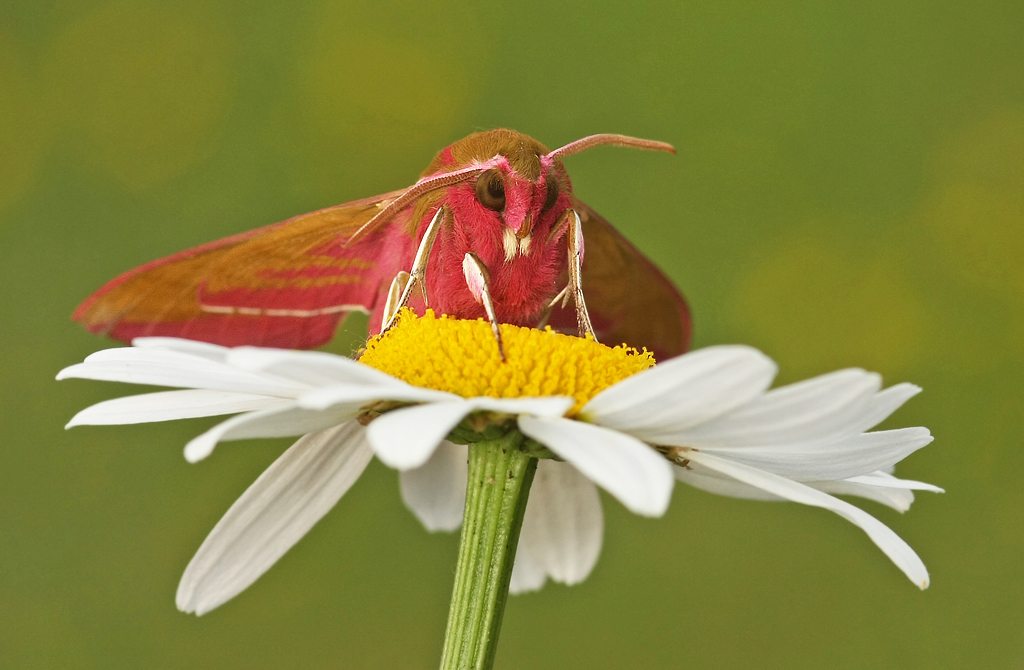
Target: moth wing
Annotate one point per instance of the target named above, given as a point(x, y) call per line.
point(285, 285)
point(629, 299)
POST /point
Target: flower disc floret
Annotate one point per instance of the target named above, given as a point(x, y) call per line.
point(461, 357)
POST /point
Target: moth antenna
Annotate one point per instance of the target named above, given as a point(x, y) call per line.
point(608, 138)
point(425, 185)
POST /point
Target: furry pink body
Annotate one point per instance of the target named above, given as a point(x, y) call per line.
point(505, 194)
point(521, 286)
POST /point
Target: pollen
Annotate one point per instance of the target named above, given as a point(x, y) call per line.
point(461, 357)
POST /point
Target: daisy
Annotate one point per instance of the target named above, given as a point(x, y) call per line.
point(595, 416)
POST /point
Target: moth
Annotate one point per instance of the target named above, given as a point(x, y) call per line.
point(491, 229)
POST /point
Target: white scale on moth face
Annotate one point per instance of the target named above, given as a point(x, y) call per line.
point(514, 245)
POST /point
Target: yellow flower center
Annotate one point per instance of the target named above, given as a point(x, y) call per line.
point(461, 357)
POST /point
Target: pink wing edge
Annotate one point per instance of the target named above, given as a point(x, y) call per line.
point(262, 317)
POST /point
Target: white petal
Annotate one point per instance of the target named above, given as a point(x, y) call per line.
point(898, 499)
point(285, 422)
point(895, 548)
point(171, 405)
point(547, 406)
point(436, 491)
point(880, 487)
point(405, 438)
point(701, 478)
point(850, 456)
point(822, 409)
point(280, 507)
point(213, 352)
point(361, 394)
point(886, 402)
point(160, 367)
point(315, 368)
point(564, 526)
point(658, 403)
point(827, 406)
point(527, 575)
point(627, 468)
point(886, 480)
point(892, 492)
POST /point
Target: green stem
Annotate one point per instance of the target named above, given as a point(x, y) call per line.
point(500, 474)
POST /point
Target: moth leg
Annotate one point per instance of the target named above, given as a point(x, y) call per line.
point(397, 290)
point(417, 275)
point(478, 279)
point(562, 296)
point(575, 239)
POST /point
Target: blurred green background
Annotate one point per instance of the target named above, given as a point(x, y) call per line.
point(849, 191)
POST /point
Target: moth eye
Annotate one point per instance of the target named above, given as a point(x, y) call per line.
point(552, 196)
point(490, 190)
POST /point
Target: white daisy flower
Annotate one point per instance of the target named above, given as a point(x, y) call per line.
point(606, 416)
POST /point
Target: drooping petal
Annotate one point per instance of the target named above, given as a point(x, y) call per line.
point(898, 499)
point(436, 491)
point(884, 479)
point(627, 468)
point(161, 367)
point(280, 507)
point(849, 456)
point(699, 477)
point(284, 422)
point(878, 486)
point(659, 403)
point(171, 405)
point(564, 525)
point(891, 544)
point(527, 575)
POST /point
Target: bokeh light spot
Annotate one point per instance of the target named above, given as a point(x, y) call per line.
point(976, 211)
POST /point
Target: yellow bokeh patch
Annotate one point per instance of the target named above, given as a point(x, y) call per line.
point(976, 208)
point(817, 304)
point(461, 357)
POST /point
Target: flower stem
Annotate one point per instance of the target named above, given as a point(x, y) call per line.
point(500, 474)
